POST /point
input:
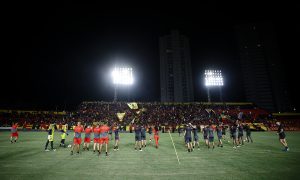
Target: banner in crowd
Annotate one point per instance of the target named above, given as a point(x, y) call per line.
point(133, 121)
point(261, 126)
point(143, 109)
point(121, 116)
point(209, 111)
point(133, 105)
point(225, 116)
point(95, 123)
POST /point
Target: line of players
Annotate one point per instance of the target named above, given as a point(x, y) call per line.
point(140, 136)
point(236, 134)
point(101, 132)
point(101, 137)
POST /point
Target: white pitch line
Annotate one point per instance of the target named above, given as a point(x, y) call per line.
point(174, 147)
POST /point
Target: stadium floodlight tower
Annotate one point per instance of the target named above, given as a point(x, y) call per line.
point(213, 78)
point(121, 76)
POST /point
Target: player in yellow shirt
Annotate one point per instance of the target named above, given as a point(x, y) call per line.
point(63, 135)
point(50, 139)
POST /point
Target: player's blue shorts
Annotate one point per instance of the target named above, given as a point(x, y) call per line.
point(205, 137)
point(211, 139)
point(188, 139)
point(117, 137)
point(143, 137)
point(138, 138)
point(196, 138)
point(282, 136)
point(219, 137)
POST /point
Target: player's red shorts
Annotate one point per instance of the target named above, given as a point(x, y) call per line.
point(77, 140)
point(96, 140)
point(87, 140)
point(15, 134)
point(156, 137)
point(104, 140)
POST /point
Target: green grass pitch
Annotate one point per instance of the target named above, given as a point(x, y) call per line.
point(263, 159)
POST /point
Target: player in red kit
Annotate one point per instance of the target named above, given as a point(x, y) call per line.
point(77, 137)
point(156, 136)
point(87, 138)
point(104, 130)
point(96, 131)
point(14, 133)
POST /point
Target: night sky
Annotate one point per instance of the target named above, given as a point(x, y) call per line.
point(58, 55)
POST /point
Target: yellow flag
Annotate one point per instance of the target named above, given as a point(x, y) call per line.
point(208, 110)
point(143, 109)
point(95, 123)
point(133, 105)
point(121, 116)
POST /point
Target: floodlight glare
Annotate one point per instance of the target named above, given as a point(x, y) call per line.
point(213, 78)
point(122, 75)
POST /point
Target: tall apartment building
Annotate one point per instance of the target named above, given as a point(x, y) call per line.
point(261, 69)
point(175, 69)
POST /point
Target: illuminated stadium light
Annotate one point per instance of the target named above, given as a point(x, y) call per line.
point(122, 75)
point(213, 78)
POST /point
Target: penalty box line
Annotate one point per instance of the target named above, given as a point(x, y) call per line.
point(174, 147)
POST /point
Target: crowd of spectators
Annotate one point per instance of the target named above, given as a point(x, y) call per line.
point(161, 114)
point(32, 119)
point(290, 122)
point(170, 114)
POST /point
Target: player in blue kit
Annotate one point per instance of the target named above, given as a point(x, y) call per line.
point(117, 138)
point(143, 136)
point(211, 136)
point(196, 138)
point(224, 133)
point(188, 137)
point(219, 134)
point(150, 133)
point(282, 136)
point(138, 137)
point(248, 133)
point(240, 134)
point(205, 134)
point(233, 130)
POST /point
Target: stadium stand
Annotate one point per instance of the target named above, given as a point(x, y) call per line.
point(165, 115)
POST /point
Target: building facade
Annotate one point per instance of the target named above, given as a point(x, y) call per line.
point(175, 69)
point(262, 72)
